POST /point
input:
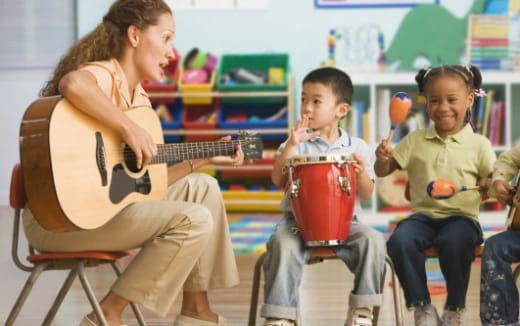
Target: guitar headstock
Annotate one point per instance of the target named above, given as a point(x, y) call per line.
point(251, 145)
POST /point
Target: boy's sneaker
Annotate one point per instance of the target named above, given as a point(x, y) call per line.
point(452, 318)
point(360, 316)
point(426, 316)
point(279, 322)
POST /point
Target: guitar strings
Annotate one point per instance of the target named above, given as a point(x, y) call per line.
point(185, 149)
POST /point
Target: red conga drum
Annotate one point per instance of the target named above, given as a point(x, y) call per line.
point(323, 192)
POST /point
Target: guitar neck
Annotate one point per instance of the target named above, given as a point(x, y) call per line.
point(189, 151)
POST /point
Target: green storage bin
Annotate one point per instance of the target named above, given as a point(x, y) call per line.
point(253, 62)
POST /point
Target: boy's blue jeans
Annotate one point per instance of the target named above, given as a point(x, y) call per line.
point(454, 238)
point(498, 291)
point(364, 254)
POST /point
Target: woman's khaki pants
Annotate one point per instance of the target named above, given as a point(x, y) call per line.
point(184, 241)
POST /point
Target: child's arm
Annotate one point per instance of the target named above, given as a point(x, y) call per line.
point(504, 170)
point(297, 135)
point(365, 185)
point(385, 163)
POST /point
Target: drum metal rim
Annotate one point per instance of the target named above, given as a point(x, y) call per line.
point(317, 159)
point(324, 243)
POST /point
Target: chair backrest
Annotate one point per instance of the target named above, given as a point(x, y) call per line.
point(17, 198)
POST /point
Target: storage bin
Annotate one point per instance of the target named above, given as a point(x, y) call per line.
point(186, 89)
point(175, 109)
point(254, 116)
point(200, 117)
point(159, 87)
point(252, 62)
point(264, 171)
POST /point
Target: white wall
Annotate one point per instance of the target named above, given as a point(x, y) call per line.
point(17, 90)
point(291, 26)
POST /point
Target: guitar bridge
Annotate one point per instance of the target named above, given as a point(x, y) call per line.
point(100, 159)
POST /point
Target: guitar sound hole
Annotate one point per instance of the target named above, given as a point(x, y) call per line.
point(130, 160)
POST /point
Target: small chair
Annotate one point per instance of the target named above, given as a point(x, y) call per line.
point(73, 261)
point(321, 254)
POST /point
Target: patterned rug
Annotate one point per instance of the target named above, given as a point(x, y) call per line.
point(249, 234)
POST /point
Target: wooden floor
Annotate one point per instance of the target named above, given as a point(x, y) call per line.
point(324, 293)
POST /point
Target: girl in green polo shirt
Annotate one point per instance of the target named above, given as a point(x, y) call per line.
point(448, 149)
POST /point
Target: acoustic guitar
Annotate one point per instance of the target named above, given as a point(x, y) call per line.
point(513, 216)
point(78, 174)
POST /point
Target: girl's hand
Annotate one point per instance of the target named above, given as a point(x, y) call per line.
point(503, 191)
point(484, 185)
point(300, 133)
point(384, 151)
point(235, 159)
point(141, 143)
point(359, 164)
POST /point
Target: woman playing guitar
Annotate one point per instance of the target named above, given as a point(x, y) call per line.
point(184, 239)
point(498, 291)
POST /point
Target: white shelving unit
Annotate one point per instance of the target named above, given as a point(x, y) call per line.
point(241, 200)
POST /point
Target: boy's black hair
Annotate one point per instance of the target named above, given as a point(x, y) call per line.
point(337, 79)
point(469, 74)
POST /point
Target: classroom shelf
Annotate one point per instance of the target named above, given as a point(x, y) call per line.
point(258, 201)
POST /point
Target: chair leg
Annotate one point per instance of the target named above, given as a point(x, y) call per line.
point(255, 287)
point(399, 319)
point(377, 310)
point(90, 294)
point(59, 298)
point(38, 269)
point(135, 308)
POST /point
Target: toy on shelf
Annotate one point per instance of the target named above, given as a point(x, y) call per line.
point(275, 75)
point(331, 48)
point(198, 67)
point(198, 76)
point(241, 75)
point(358, 47)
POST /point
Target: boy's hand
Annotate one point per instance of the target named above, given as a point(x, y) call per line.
point(384, 151)
point(359, 164)
point(503, 191)
point(300, 133)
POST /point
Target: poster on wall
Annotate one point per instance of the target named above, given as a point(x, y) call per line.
point(350, 4)
point(217, 4)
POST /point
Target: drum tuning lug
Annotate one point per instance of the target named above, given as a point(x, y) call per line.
point(294, 188)
point(344, 183)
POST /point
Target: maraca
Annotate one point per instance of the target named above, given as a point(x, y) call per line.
point(444, 189)
point(399, 107)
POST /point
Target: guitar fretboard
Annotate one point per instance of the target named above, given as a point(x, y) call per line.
point(188, 151)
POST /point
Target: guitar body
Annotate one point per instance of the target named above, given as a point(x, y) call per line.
point(74, 171)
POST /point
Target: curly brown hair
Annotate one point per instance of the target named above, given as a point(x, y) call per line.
point(107, 40)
